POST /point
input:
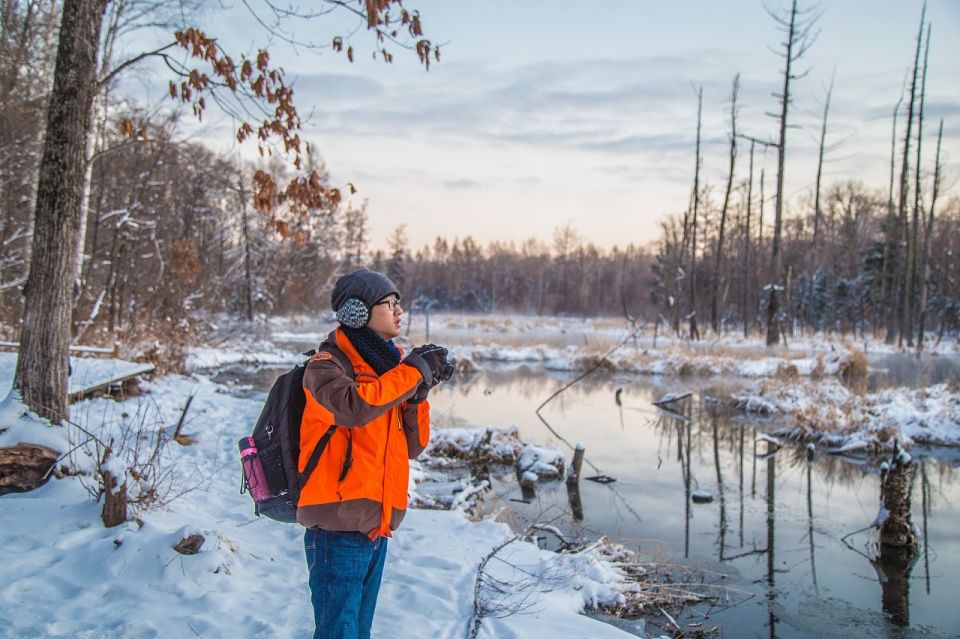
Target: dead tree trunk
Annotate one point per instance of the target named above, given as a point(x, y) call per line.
point(903, 230)
point(887, 268)
point(114, 510)
point(896, 528)
point(693, 241)
point(898, 544)
point(797, 28)
point(917, 204)
point(41, 374)
point(925, 257)
point(718, 261)
point(24, 467)
point(747, 267)
point(817, 212)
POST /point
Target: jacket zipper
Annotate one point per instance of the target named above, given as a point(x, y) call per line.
point(386, 465)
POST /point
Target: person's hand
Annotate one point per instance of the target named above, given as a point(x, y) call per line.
point(431, 360)
point(422, 391)
point(436, 358)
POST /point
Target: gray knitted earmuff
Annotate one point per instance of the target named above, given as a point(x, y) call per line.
point(353, 313)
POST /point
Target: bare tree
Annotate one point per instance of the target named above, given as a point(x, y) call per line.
point(798, 26)
point(889, 246)
point(917, 202)
point(692, 301)
point(747, 313)
point(817, 211)
point(900, 259)
point(27, 39)
point(247, 258)
point(925, 255)
point(718, 258)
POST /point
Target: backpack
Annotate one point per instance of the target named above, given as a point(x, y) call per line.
point(271, 454)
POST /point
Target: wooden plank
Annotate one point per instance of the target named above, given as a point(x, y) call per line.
point(90, 374)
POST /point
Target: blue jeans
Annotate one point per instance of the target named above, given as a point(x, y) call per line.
point(345, 572)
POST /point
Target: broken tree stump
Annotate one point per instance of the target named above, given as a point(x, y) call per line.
point(528, 485)
point(896, 527)
point(24, 467)
point(898, 547)
point(114, 501)
point(573, 473)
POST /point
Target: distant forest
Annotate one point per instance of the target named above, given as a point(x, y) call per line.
point(171, 232)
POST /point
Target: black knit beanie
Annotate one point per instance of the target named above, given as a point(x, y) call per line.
point(368, 286)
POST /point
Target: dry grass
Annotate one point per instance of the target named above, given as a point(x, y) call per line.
point(819, 369)
point(164, 344)
point(855, 366)
point(787, 372)
point(593, 360)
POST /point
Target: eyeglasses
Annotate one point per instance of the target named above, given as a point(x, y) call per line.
point(392, 305)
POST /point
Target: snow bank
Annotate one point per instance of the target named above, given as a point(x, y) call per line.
point(209, 358)
point(672, 360)
point(499, 446)
point(827, 411)
point(543, 462)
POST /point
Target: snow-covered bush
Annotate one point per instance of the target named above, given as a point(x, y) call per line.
point(124, 457)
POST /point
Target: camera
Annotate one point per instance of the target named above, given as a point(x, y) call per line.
point(446, 372)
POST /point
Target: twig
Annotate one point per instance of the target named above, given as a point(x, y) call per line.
point(477, 607)
point(65, 455)
point(183, 415)
point(577, 379)
point(670, 619)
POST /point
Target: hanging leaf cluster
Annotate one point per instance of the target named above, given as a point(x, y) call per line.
point(389, 20)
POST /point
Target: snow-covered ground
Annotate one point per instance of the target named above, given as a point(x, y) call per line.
point(65, 575)
point(828, 412)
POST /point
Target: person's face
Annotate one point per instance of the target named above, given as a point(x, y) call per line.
point(385, 317)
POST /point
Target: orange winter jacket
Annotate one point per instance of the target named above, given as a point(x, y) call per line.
point(365, 490)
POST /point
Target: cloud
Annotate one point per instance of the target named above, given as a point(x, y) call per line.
point(320, 89)
point(462, 184)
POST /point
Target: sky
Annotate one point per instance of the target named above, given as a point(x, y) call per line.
point(544, 114)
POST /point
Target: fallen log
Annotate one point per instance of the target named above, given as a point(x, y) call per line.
point(24, 467)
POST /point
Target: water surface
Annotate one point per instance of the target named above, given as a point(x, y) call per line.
point(771, 539)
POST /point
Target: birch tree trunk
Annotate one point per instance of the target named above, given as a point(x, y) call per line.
point(41, 374)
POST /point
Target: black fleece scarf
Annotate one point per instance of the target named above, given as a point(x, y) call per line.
point(381, 354)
